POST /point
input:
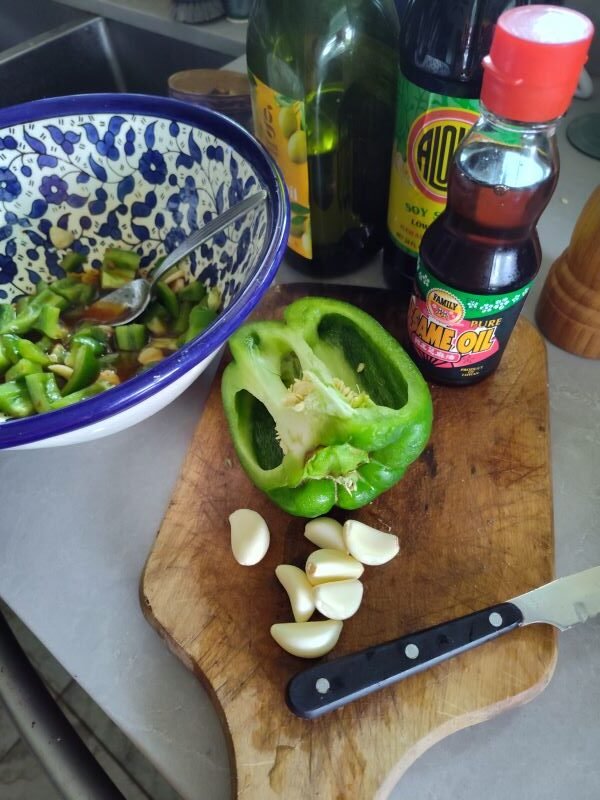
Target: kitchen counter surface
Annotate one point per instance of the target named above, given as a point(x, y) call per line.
point(77, 524)
point(156, 16)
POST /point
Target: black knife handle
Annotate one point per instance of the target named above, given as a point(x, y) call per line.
point(332, 684)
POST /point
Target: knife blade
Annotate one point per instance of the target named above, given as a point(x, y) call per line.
point(332, 684)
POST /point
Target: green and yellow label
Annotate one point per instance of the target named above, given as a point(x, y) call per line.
point(279, 125)
point(429, 128)
point(453, 329)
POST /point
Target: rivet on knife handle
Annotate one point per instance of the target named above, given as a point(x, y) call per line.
point(332, 684)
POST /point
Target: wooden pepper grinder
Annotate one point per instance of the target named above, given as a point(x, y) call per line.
point(568, 311)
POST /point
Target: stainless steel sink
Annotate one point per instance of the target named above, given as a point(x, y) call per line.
point(77, 53)
point(22, 19)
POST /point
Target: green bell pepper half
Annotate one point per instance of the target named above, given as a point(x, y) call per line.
point(325, 408)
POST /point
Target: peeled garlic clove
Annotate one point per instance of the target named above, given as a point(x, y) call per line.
point(298, 589)
point(327, 565)
point(368, 545)
point(325, 532)
point(307, 639)
point(249, 536)
point(60, 238)
point(339, 599)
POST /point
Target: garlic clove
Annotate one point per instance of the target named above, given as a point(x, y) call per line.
point(298, 589)
point(60, 238)
point(307, 639)
point(327, 565)
point(249, 536)
point(339, 599)
point(150, 355)
point(369, 545)
point(325, 532)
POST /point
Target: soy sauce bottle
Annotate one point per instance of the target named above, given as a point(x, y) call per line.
point(478, 259)
point(442, 45)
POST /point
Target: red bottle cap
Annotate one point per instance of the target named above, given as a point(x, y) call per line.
point(535, 61)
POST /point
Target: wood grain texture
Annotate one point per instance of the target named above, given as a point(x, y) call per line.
point(474, 516)
point(568, 310)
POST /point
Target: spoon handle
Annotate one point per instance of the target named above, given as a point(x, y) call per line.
point(206, 231)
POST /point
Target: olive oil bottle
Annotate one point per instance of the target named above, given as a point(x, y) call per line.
point(323, 77)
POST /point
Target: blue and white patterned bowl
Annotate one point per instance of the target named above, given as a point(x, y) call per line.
point(141, 173)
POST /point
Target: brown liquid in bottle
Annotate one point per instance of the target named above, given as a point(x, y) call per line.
point(485, 244)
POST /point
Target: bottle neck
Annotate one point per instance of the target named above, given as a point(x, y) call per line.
point(502, 177)
point(509, 130)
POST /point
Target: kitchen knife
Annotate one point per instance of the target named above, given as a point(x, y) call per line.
point(332, 684)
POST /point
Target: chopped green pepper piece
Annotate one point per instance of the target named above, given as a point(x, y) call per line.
point(7, 317)
point(81, 394)
point(10, 343)
point(109, 360)
point(74, 291)
point(23, 367)
point(15, 400)
point(194, 292)
point(18, 321)
point(200, 319)
point(101, 333)
point(47, 297)
point(70, 261)
point(118, 268)
point(96, 346)
point(48, 323)
point(22, 303)
point(130, 337)
point(156, 319)
point(43, 390)
point(183, 319)
point(5, 359)
point(343, 432)
point(32, 352)
point(45, 343)
point(85, 370)
point(168, 299)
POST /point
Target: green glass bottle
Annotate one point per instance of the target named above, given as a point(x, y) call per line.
point(323, 76)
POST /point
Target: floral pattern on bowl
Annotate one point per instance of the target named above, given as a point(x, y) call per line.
point(139, 172)
point(137, 182)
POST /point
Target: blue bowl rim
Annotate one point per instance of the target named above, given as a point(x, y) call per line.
point(14, 433)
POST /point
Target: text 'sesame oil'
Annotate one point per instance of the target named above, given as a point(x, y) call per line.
point(478, 259)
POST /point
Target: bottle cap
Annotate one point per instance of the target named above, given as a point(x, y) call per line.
point(535, 61)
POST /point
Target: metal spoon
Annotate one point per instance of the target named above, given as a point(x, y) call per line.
point(128, 302)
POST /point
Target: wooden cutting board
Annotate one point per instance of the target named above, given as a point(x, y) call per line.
point(474, 516)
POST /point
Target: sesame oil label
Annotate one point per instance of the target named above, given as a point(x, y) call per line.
point(457, 330)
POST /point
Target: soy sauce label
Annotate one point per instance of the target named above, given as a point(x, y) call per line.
point(429, 128)
point(279, 125)
point(452, 329)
